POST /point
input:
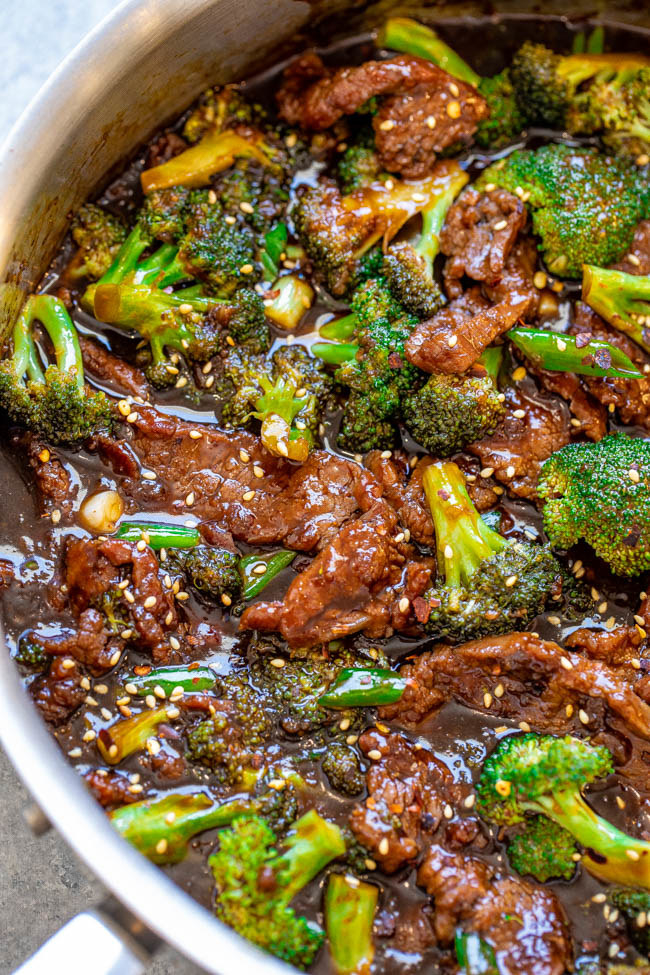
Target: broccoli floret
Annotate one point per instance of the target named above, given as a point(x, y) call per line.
point(256, 883)
point(98, 235)
point(506, 116)
point(621, 299)
point(359, 165)
point(623, 105)
point(449, 412)
point(54, 402)
point(544, 850)
point(489, 585)
point(337, 231)
point(634, 905)
point(247, 324)
point(585, 206)
point(601, 492)
point(163, 215)
point(222, 108)
point(213, 572)
point(30, 653)
point(379, 375)
point(542, 775)
point(220, 254)
point(341, 766)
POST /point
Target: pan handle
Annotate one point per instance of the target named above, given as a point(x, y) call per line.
point(96, 942)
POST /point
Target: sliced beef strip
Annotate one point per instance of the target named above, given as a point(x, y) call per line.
point(478, 235)
point(588, 416)
point(616, 647)
point(523, 922)
point(92, 569)
point(120, 375)
point(58, 692)
point(52, 481)
point(520, 444)
point(89, 644)
point(453, 340)
point(631, 397)
point(639, 249)
point(515, 282)
point(110, 787)
point(408, 789)
point(302, 507)
point(355, 583)
point(540, 683)
point(163, 148)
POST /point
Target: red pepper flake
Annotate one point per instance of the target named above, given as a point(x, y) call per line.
point(582, 339)
point(421, 609)
point(142, 670)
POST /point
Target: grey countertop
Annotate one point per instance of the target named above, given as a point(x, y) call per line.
point(42, 884)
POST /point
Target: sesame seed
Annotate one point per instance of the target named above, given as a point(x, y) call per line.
point(641, 919)
point(453, 109)
point(374, 754)
point(244, 456)
point(370, 864)
point(511, 581)
point(610, 623)
point(259, 568)
point(452, 341)
point(75, 752)
point(643, 159)
point(566, 663)
point(160, 692)
point(344, 724)
point(632, 854)
point(634, 476)
point(246, 207)
point(635, 663)
point(106, 714)
point(152, 745)
point(89, 735)
point(248, 495)
point(172, 713)
point(399, 537)
point(383, 846)
point(620, 802)
point(90, 701)
point(519, 373)
point(351, 739)
point(602, 608)
point(182, 596)
point(387, 125)
point(278, 662)
point(568, 710)
point(190, 499)
point(584, 717)
point(386, 454)
point(633, 259)
point(418, 197)
point(126, 634)
point(539, 279)
point(510, 471)
point(404, 604)
point(490, 187)
point(230, 219)
point(524, 726)
point(599, 898)
point(277, 784)
point(85, 683)
point(501, 225)
point(246, 269)
point(561, 344)
point(487, 472)
point(67, 663)
point(448, 812)
point(150, 701)
point(499, 690)
point(612, 951)
point(469, 801)
point(101, 688)
point(225, 599)
point(449, 552)
point(503, 787)
point(55, 516)
point(128, 595)
point(258, 471)
point(148, 475)
point(430, 121)
point(136, 789)
point(487, 699)
point(169, 618)
point(283, 449)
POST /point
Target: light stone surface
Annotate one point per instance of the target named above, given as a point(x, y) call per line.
point(42, 883)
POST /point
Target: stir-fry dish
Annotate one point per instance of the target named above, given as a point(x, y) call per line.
point(330, 430)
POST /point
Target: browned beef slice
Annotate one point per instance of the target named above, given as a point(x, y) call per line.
point(89, 644)
point(165, 147)
point(58, 692)
point(538, 682)
point(405, 493)
point(520, 444)
point(110, 787)
point(523, 922)
point(618, 646)
point(639, 249)
point(408, 789)
point(588, 415)
point(92, 570)
point(52, 481)
point(6, 573)
point(301, 507)
point(478, 235)
point(631, 397)
point(120, 375)
point(515, 282)
point(458, 335)
point(355, 583)
point(413, 127)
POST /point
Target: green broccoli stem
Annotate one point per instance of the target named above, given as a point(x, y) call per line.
point(162, 269)
point(159, 536)
point(433, 219)
point(191, 679)
point(272, 563)
point(309, 847)
point(610, 854)
point(215, 152)
point(621, 299)
point(409, 37)
point(335, 353)
point(125, 737)
point(54, 317)
point(561, 353)
point(161, 828)
point(463, 540)
point(362, 687)
point(474, 955)
point(340, 329)
point(349, 916)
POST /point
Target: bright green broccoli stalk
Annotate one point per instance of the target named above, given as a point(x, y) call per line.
point(544, 850)
point(256, 882)
point(98, 235)
point(129, 735)
point(634, 905)
point(541, 775)
point(409, 268)
point(474, 955)
point(621, 299)
point(586, 94)
point(585, 206)
point(600, 492)
point(449, 412)
point(213, 572)
point(53, 401)
point(350, 906)
point(506, 118)
point(488, 584)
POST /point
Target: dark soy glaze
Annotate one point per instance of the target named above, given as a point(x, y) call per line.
point(460, 737)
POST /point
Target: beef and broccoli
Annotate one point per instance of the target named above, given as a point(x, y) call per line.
point(331, 421)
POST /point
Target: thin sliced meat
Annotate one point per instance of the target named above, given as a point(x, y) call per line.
point(111, 788)
point(300, 507)
point(404, 492)
point(58, 693)
point(89, 644)
point(408, 789)
point(515, 282)
point(534, 427)
point(588, 416)
point(523, 922)
point(356, 583)
point(622, 645)
point(538, 682)
point(52, 480)
point(457, 336)
point(478, 235)
point(639, 249)
point(110, 369)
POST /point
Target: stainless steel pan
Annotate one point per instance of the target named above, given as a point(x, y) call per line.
point(138, 68)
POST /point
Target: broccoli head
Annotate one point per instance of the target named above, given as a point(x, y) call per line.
point(224, 107)
point(359, 165)
point(544, 850)
point(54, 402)
point(621, 299)
point(506, 117)
point(213, 572)
point(220, 254)
point(449, 412)
point(164, 213)
point(585, 206)
point(341, 766)
point(600, 492)
point(256, 882)
point(99, 235)
point(634, 905)
point(489, 585)
point(541, 775)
